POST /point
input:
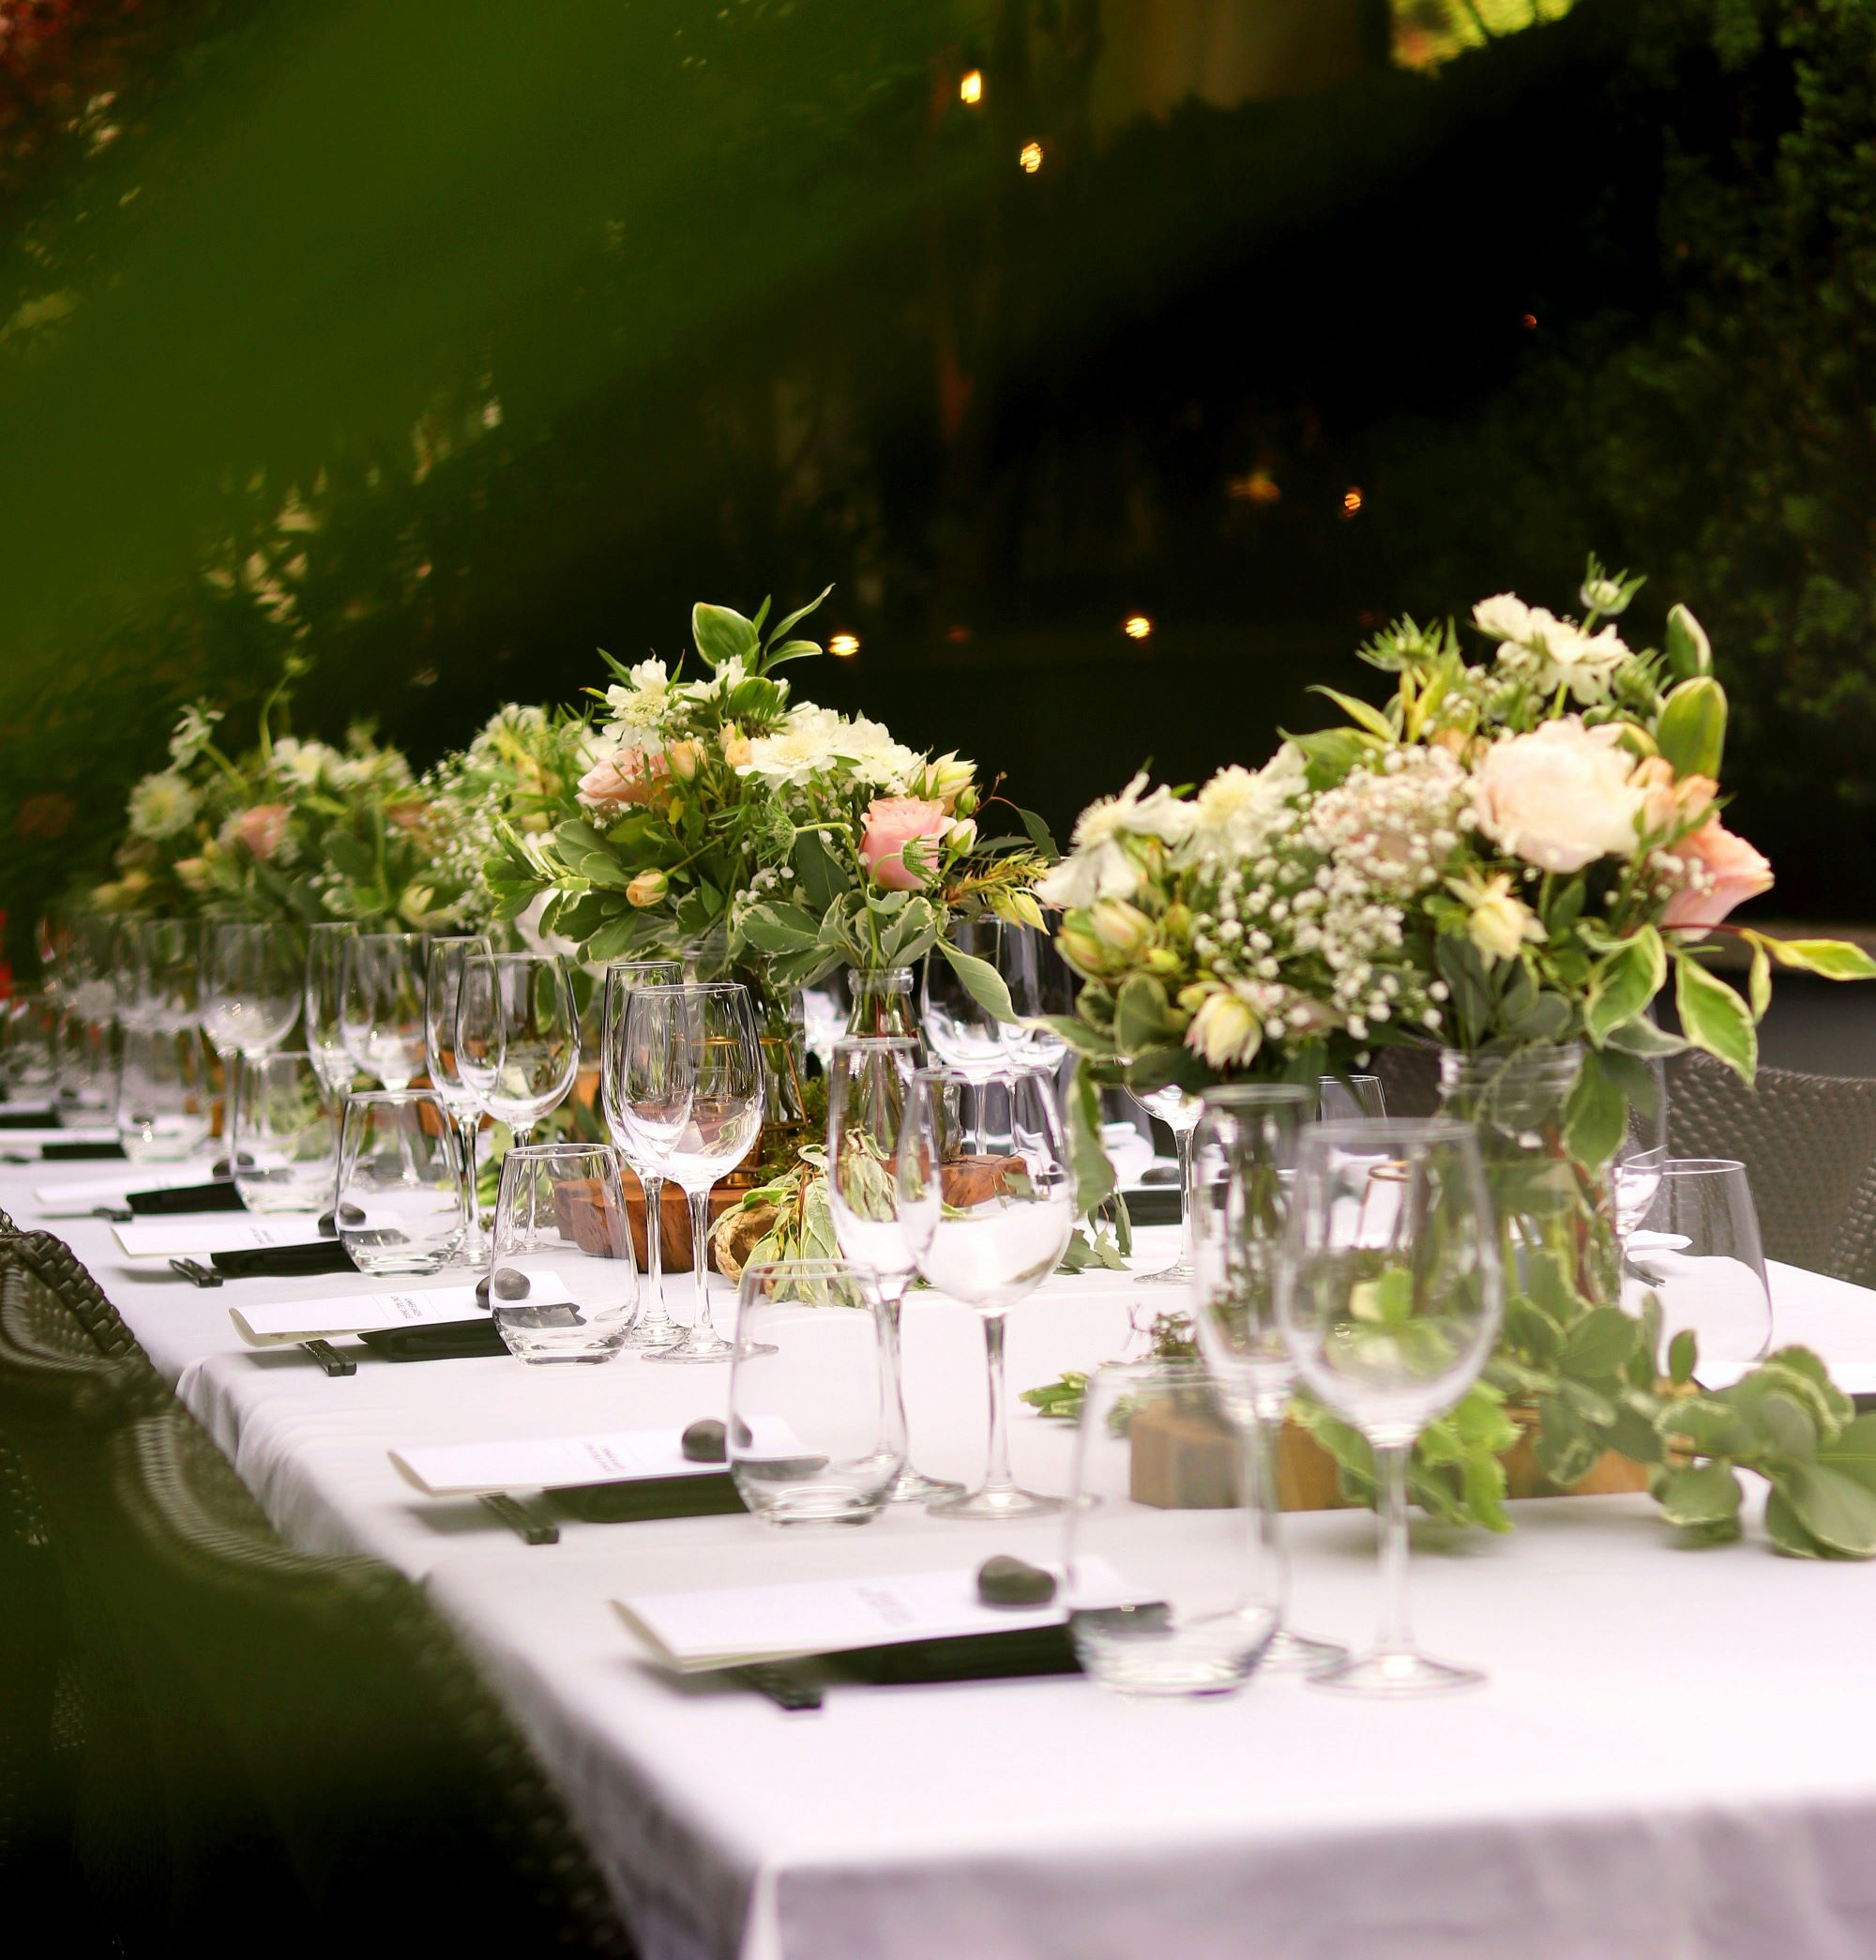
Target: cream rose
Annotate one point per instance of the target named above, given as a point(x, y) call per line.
point(1558, 798)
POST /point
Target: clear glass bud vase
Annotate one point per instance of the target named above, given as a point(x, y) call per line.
point(1555, 1211)
point(884, 1004)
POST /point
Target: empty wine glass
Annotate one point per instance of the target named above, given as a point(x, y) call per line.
point(1243, 1161)
point(1698, 1250)
point(1636, 1175)
point(443, 959)
point(381, 1006)
point(987, 1202)
point(323, 1004)
point(28, 1044)
point(1040, 981)
point(253, 980)
point(654, 1326)
point(1390, 1296)
point(962, 1033)
point(89, 986)
point(562, 1284)
point(1343, 1099)
point(1179, 1111)
point(518, 1035)
point(161, 986)
point(691, 1103)
point(868, 1085)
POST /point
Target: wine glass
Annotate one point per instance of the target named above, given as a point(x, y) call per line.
point(987, 1202)
point(869, 1085)
point(1699, 1251)
point(1243, 1161)
point(1040, 981)
point(654, 1326)
point(1636, 1175)
point(322, 999)
point(1179, 1111)
point(381, 1006)
point(961, 1031)
point(442, 965)
point(161, 986)
point(1343, 1099)
point(1390, 1295)
point(518, 1035)
point(691, 1103)
point(253, 980)
point(88, 984)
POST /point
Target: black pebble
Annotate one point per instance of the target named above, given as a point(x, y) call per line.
point(510, 1285)
point(351, 1215)
point(482, 1293)
point(1004, 1581)
point(704, 1442)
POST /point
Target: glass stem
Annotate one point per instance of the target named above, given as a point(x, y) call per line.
point(1273, 1576)
point(699, 1261)
point(467, 1124)
point(898, 1434)
point(1397, 1636)
point(653, 1198)
point(997, 1477)
point(1184, 1139)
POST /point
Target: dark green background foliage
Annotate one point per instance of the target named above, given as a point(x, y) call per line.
point(551, 320)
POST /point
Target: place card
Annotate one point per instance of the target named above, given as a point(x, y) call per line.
point(560, 1462)
point(216, 1234)
point(733, 1625)
point(286, 1322)
point(35, 1140)
point(83, 1196)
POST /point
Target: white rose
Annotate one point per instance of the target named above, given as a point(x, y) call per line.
point(1583, 663)
point(1504, 617)
point(1225, 1031)
point(1558, 798)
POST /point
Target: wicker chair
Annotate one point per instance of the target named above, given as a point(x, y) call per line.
point(1809, 1145)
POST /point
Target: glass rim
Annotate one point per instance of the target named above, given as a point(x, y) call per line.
point(562, 1146)
point(983, 1074)
point(613, 967)
point(278, 1054)
point(434, 939)
point(514, 959)
point(1351, 1075)
point(401, 937)
point(1699, 1166)
point(866, 1044)
point(1348, 1131)
point(333, 925)
point(1256, 1095)
point(402, 1095)
point(813, 1268)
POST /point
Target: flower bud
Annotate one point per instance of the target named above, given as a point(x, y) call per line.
point(1162, 960)
point(1177, 921)
point(737, 750)
point(962, 835)
point(1079, 947)
point(684, 759)
point(647, 889)
point(1121, 928)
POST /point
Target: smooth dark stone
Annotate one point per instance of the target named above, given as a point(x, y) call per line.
point(509, 1284)
point(1004, 1581)
point(706, 1442)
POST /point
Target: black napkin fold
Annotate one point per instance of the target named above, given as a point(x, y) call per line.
point(1149, 1208)
point(70, 1153)
point(29, 1118)
point(283, 1262)
point(646, 1500)
point(446, 1340)
point(963, 1657)
point(185, 1197)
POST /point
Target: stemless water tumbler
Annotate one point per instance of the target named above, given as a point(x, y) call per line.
point(165, 1094)
point(401, 1181)
point(562, 1284)
point(810, 1386)
point(285, 1145)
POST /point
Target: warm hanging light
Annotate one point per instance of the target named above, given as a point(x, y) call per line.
point(1136, 625)
point(971, 88)
point(1030, 156)
point(843, 646)
point(1352, 500)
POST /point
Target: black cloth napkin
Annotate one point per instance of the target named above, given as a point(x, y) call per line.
point(446, 1340)
point(68, 1153)
point(185, 1197)
point(283, 1262)
point(645, 1500)
point(1150, 1206)
point(29, 1118)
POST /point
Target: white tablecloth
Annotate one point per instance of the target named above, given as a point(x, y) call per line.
point(1675, 1753)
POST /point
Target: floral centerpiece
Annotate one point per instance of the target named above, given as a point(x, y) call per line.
point(1510, 859)
point(724, 821)
point(292, 830)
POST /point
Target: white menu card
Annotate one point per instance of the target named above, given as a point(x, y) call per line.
point(368, 1312)
point(216, 1232)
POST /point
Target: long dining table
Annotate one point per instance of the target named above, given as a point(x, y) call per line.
point(1674, 1752)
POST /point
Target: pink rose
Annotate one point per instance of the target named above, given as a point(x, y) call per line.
point(262, 828)
point(629, 775)
point(894, 821)
point(1723, 870)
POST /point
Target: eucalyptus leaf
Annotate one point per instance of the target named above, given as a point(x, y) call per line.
point(1715, 1018)
point(1703, 1493)
point(982, 981)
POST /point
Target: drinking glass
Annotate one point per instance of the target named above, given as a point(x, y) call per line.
point(1164, 1576)
point(1345, 1098)
point(869, 1085)
point(1390, 1295)
point(252, 978)
point(1179, 1111)
point(88, 987)
point(1636, 1175)
point(961, 1033)
point(654, 1326)
point(1698, 1250)
point(165, 1096)
point(811, 1390)
point(381, 1005)
point(691, 1103)
point(401, 1203)
point(1243, 1161)
point(161, 986)
point(518, 1035)
point(444, 959)
point(987, 1202)
point(285, 1142)
point(562, 1283)
point(28, 1045)
point(324, 996)
point(1040, 982)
